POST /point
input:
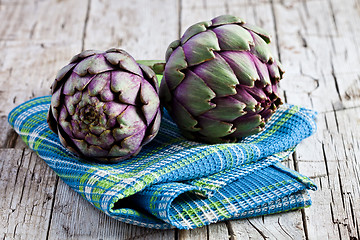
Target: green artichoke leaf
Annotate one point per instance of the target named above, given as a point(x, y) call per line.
point(149, 74)
point(116, 151)
point(52, 122)
point(164, 94)
point(95, 151)
point(97, 130)
point(214, 128)
point(98, 83)
point(201, 47)
point(243, 66)
point(129, 145)
point(173, 45)
point(60, 75)
point(133, 142)
point(281, 68)
point(174, 65)
point(243, 96)
point(153, 128)
point(227, 109)
point(246, 133)
point(104, 140)
point(195, 29)
point(84, 54)
point(233, 37)
point(124, 61)
point(248, 125)
point(183, 118)
point(113, 109)
point(127, 85)
point(71, 101)
point(106, 95)
point(194, 94)
point(60, 133)
point(218, 75)
point(130, 122)
point(150, 100)
point(56, 100)
point(94, 64)
point(226, 19)
point(258, 30)
point(66, 126)
point(263, 72)
point(261, 49)
point(86, 99)
point(76, 82)
point(274, 71)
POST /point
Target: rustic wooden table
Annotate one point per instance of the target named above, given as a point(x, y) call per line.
point(316, 40)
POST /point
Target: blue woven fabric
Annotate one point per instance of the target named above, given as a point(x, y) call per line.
point(173, 182)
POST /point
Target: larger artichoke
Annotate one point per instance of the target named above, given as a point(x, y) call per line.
point(104, 105)
point(220, 80)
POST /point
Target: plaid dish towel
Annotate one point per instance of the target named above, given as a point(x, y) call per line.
point(178, 183)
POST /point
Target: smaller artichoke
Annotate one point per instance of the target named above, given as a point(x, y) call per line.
point(104, 105)
point(220, 80)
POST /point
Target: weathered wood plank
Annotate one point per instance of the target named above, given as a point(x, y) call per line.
point(322, 59)
point(195, 234)
point(337, 176)
point(269, 227)
point(53, 21)
point(37, 38)
point(27, 195)
point(7, 135)
point(74, 218)
point(312, 51)
point(142, 28)
point(218, 231)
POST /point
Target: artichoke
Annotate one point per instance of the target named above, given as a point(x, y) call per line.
point(220, 80)
point(104, 105)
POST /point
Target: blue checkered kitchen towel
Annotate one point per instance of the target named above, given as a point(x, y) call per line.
point(173, 182)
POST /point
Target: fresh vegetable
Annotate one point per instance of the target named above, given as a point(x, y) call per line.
point(104, 105)
point(220, 80)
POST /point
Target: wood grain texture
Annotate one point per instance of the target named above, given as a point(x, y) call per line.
point(27, 195)
point(322, 59)
point(37, 39)
point(317, 42)
point(142, 28)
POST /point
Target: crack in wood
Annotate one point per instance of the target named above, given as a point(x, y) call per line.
point(333, 16)
point(230, 230)
point(11, 139)
point(326, 163)
point(258, 230)
point(284, 230)
point(149, 232)
point(52, 207)
point(333, 74)
point(85, 25)
point(276, 29)
point(304, 223)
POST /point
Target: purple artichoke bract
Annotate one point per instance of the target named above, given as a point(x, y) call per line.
point(104, 105)
point(220, 80)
